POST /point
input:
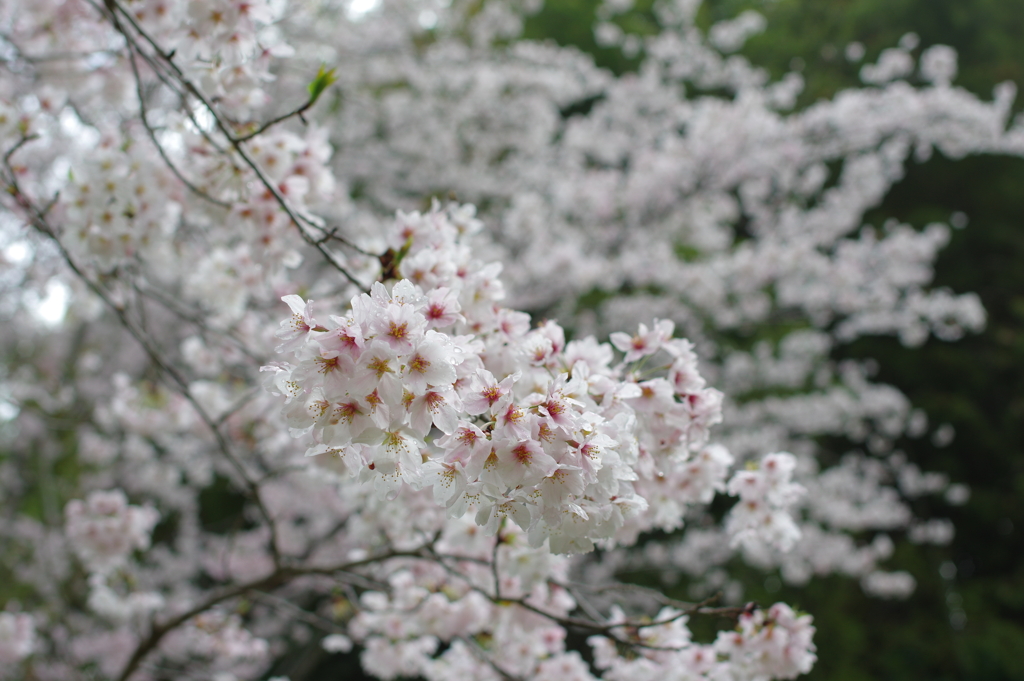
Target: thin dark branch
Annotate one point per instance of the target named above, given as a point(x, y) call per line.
point(237, 405)
point(173, 377)
point(494, 564)
point(486, 659)
point(55, 56)
point(653, 594)
point(165, 73)
point(585, 605)
point(279, 577)
point(274, 121)
point(318, 621)
point(192, 317)
point(332, 235)
point(12, 151)
point(594, 625)
point(301, 222)
point(143, 116)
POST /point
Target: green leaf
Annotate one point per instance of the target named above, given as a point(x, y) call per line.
point(324, 78)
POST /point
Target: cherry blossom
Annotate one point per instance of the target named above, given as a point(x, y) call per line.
point(419, 464)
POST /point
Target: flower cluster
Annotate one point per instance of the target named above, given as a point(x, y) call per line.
point(765, 495)
point(433, 384)
point(120, 203)
point(454, 608)
point(219, 639)
point(17, 637)
point(104, 529)
point(773, 643)
point(437, 622)
point(722, 213)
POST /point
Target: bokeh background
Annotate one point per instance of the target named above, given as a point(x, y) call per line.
point(966, 618)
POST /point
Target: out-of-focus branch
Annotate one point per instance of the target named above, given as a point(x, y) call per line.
point(593, 624)
point(143, 117)
point(115, 13)
point(173, 377)
point(278, 578)
point(482, 655)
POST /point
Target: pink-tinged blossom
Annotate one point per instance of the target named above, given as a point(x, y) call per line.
point(442, 308)
point(761, 516)
point(345, 420)
point(399, 326)
point(555, 446)
point(296, 330)
point(683, 373)
point(485, 393)
point(220, 639)
point(512, 323)
point(645, 342)
point(539, 349)
point(104, 529)
point(523, 463)
point(278, 381)
point(558, 488)
point(121, 608)
point(336, 643)
point(448, 480)
point(17, 637)
point(656, 396)
point(495, 506)
point(395, 458)
point(597, 357)
point(438, 406)
point(774, 643)
point(466, 443)
point(430, 363)
point(303, 414)
point(346, 461)
point(510, 419)
point(378, 369)
point(557, 406)
point(564, 667)
point(347, 337)
point(545, 343)
point(586, 452)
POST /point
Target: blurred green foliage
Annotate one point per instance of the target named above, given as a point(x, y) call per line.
point(986, 34)
point(976, 385)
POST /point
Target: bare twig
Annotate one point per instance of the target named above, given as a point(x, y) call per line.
point(482, 655)
point(179, 310)
point(630, 627)
point(143, 116)
point(274, 121)
point(317, 621)
point(115, 10)
point(279, 577)
point(494, 564)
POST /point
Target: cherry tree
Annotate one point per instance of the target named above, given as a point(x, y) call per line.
point(655, 195)
point(226, 283)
